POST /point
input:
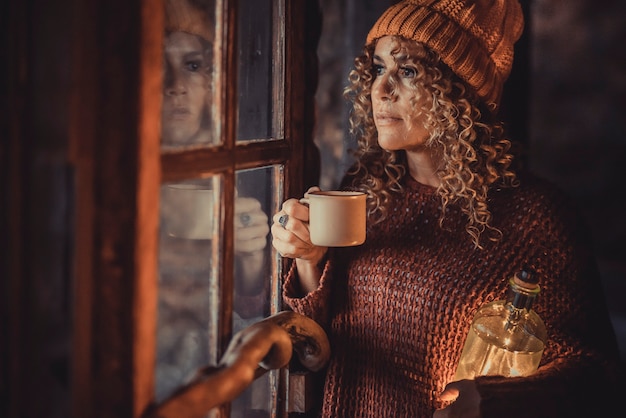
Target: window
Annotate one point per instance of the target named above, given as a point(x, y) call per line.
point(225, 156)
point(88, 279)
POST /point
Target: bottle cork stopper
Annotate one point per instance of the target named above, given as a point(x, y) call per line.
point(526, 278)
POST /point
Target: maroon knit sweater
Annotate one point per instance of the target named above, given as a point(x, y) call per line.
point(397, 308)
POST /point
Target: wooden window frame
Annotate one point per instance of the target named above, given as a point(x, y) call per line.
point(115, 158)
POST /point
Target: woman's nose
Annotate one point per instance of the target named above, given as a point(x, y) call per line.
point(174, 83)
point(382, 88)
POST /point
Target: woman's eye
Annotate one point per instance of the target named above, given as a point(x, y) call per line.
point(408, 72)
point(378, 69)
point(193, 65)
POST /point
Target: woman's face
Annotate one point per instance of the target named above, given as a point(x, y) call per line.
point(395, 99)
point(185, 88)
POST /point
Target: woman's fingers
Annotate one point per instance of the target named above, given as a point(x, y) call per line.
point(290, 245)
point(248, 212)
point(294, 218)
point(251, 225)
point(465, 400)
point(290, 231)
point(287, 243)
point(312, 189)
point(252, 238)
point(294, 209)
point(246, 204)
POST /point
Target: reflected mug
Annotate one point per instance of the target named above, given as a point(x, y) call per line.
point(187, 211)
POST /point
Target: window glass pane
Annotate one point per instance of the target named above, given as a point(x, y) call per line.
point(254, 207)
point(256, 401)
point(188, 75)
point(188, 245)
point(257, 67)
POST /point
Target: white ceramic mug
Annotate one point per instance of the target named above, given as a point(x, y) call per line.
point(336, 218)
point(187, 210)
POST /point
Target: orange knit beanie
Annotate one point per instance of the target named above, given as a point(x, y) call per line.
point(189, 16)
point(473, 37)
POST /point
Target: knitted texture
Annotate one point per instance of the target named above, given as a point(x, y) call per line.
point(398, 308)
point(189, 16)
point(474, 38)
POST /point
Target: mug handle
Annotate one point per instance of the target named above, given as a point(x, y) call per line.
point(305, 200)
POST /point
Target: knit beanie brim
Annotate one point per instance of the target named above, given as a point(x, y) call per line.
point(188, 16)
point(475, 38)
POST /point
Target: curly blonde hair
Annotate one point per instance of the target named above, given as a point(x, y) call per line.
point(465, 137)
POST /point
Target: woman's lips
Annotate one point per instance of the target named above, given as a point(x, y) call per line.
point(386, 118)
point(180, 113)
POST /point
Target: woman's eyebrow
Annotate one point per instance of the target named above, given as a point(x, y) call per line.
point(402, 58)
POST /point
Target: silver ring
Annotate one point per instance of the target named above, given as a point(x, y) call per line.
point(283, 220)
point(245, 219)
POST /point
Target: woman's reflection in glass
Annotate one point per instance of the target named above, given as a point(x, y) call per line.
point(187, 75)
point(185, 262)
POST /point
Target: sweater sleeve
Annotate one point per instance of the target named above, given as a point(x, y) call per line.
point(315, 304)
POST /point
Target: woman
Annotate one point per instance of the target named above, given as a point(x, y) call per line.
point(185, 245)
point(450, 219)
point(186, 90)
point(187, 67)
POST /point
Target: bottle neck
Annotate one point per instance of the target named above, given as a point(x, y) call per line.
point(521, 297)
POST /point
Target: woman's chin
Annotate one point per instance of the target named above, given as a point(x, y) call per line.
point(389, 144)
point(179, 138)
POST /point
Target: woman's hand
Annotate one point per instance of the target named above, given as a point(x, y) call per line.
point(290, 232)
point(251, 226)
point(251, 229)
point(465, 400)
point(291, 238)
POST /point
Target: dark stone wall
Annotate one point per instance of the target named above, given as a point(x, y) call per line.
point(576, 106)
point(577, 128)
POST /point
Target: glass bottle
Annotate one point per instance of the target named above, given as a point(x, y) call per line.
point(507, 337)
